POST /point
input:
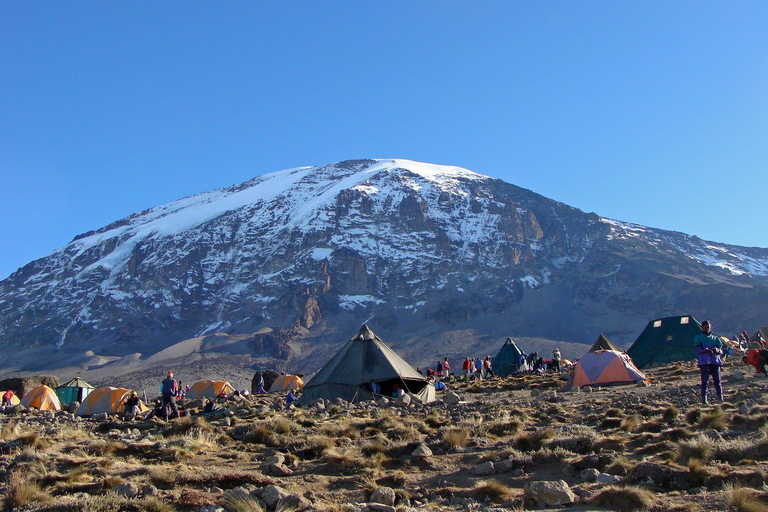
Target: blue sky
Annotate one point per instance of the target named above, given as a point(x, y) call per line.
point(647, 112)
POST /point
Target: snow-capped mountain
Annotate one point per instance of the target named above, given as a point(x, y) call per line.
point(423, 251)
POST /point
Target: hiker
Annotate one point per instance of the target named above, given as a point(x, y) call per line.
point(446, 368)
point(439, 370)
point(556, 357)
point(169, 389)
point(710, 348)
point(430, 374)
point(418, 370)
point(131, 407)
point(465, 366)
point(757, 357)
point(397, 391)
point(7, 397)
point(759, 339)
point(289, 399)
point(261, 389)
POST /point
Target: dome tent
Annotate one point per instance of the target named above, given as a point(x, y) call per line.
point(365, 362)
point(210, 389)
point(42, 398)
point(286, 382)
point(106, 399)
point(507, 361)
point(665, 340)
point(604, 368)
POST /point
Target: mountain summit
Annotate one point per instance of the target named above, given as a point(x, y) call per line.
point(437, 258)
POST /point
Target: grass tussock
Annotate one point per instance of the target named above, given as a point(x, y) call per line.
point(714, 419)
point(625, 499)
point(630, 423)
point(532, 441)
point(670, 414)
point(580, 440)
point(456, 437)
point(492, 490)
point(21, 490)
point(699, 448)
point(740, 499)
point(241, 502)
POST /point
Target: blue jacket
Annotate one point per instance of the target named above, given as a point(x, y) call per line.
point(710, 348)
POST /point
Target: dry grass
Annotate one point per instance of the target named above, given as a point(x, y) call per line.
point(630, 423)
point(531, 441)
point(492, 490)
point(625, 499)
point(699, 448)
point(740, 499)
point(22, 490)
point(241, 502)
point(456, 437)
point(714, 419)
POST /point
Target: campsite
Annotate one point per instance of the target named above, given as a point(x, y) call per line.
point(522, 441)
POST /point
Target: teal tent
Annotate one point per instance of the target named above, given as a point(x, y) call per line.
point(73, 391)
point(507, 361)
point(665, 340)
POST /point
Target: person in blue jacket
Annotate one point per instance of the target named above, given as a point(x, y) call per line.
point(710, 349)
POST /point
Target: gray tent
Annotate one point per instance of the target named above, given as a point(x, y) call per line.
point(604, 343)
point(365, 364)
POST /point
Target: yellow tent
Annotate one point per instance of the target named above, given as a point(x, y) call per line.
point(286, 382)
point(43, 398)
point(210, 389)
point(14, 399)
point(106, 399)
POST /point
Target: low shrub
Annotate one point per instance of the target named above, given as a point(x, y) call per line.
point(625, 499)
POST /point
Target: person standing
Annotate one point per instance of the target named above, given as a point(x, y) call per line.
point(169, 389)
point(439, 370)
point(446, 368)
point(556, 357)
point(710, 349)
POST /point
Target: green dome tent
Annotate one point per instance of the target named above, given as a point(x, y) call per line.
point(507, 361)
point(665, 340)
point(362, 362)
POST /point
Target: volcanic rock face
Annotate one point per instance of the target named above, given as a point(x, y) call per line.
point(423, 249)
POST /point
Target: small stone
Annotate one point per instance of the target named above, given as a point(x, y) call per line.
point(422, 451)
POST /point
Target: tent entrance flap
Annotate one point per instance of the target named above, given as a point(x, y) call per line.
point(387, 387)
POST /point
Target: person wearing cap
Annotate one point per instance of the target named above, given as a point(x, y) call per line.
point(131, 407)
point(710, 349)
point(169, 389)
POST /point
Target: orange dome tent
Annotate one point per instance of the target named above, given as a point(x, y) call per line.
point(42, 398)
point(286, 382)
point(603, 368)
point(210, 389)
point(106, 400)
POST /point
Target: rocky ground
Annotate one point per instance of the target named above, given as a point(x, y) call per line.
point(503, 444)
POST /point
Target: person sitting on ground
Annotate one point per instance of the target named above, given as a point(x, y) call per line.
point(131, 407)
point(7, 397)
point(157, 410)
point(757, 357)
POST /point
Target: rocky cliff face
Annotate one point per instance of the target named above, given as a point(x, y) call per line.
point(419, 250)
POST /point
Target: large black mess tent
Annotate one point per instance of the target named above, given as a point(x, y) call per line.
point(665, 340)
point(507, 361)
point(364, 369)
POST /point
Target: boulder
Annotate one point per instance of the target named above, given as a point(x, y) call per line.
point(384, 495)
point(272, 495)
point(485, 469)
point(451, 398)
point(126, 489)
point(551, 493)
point(663, 477)
point(422, 451)
point(403, 401)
